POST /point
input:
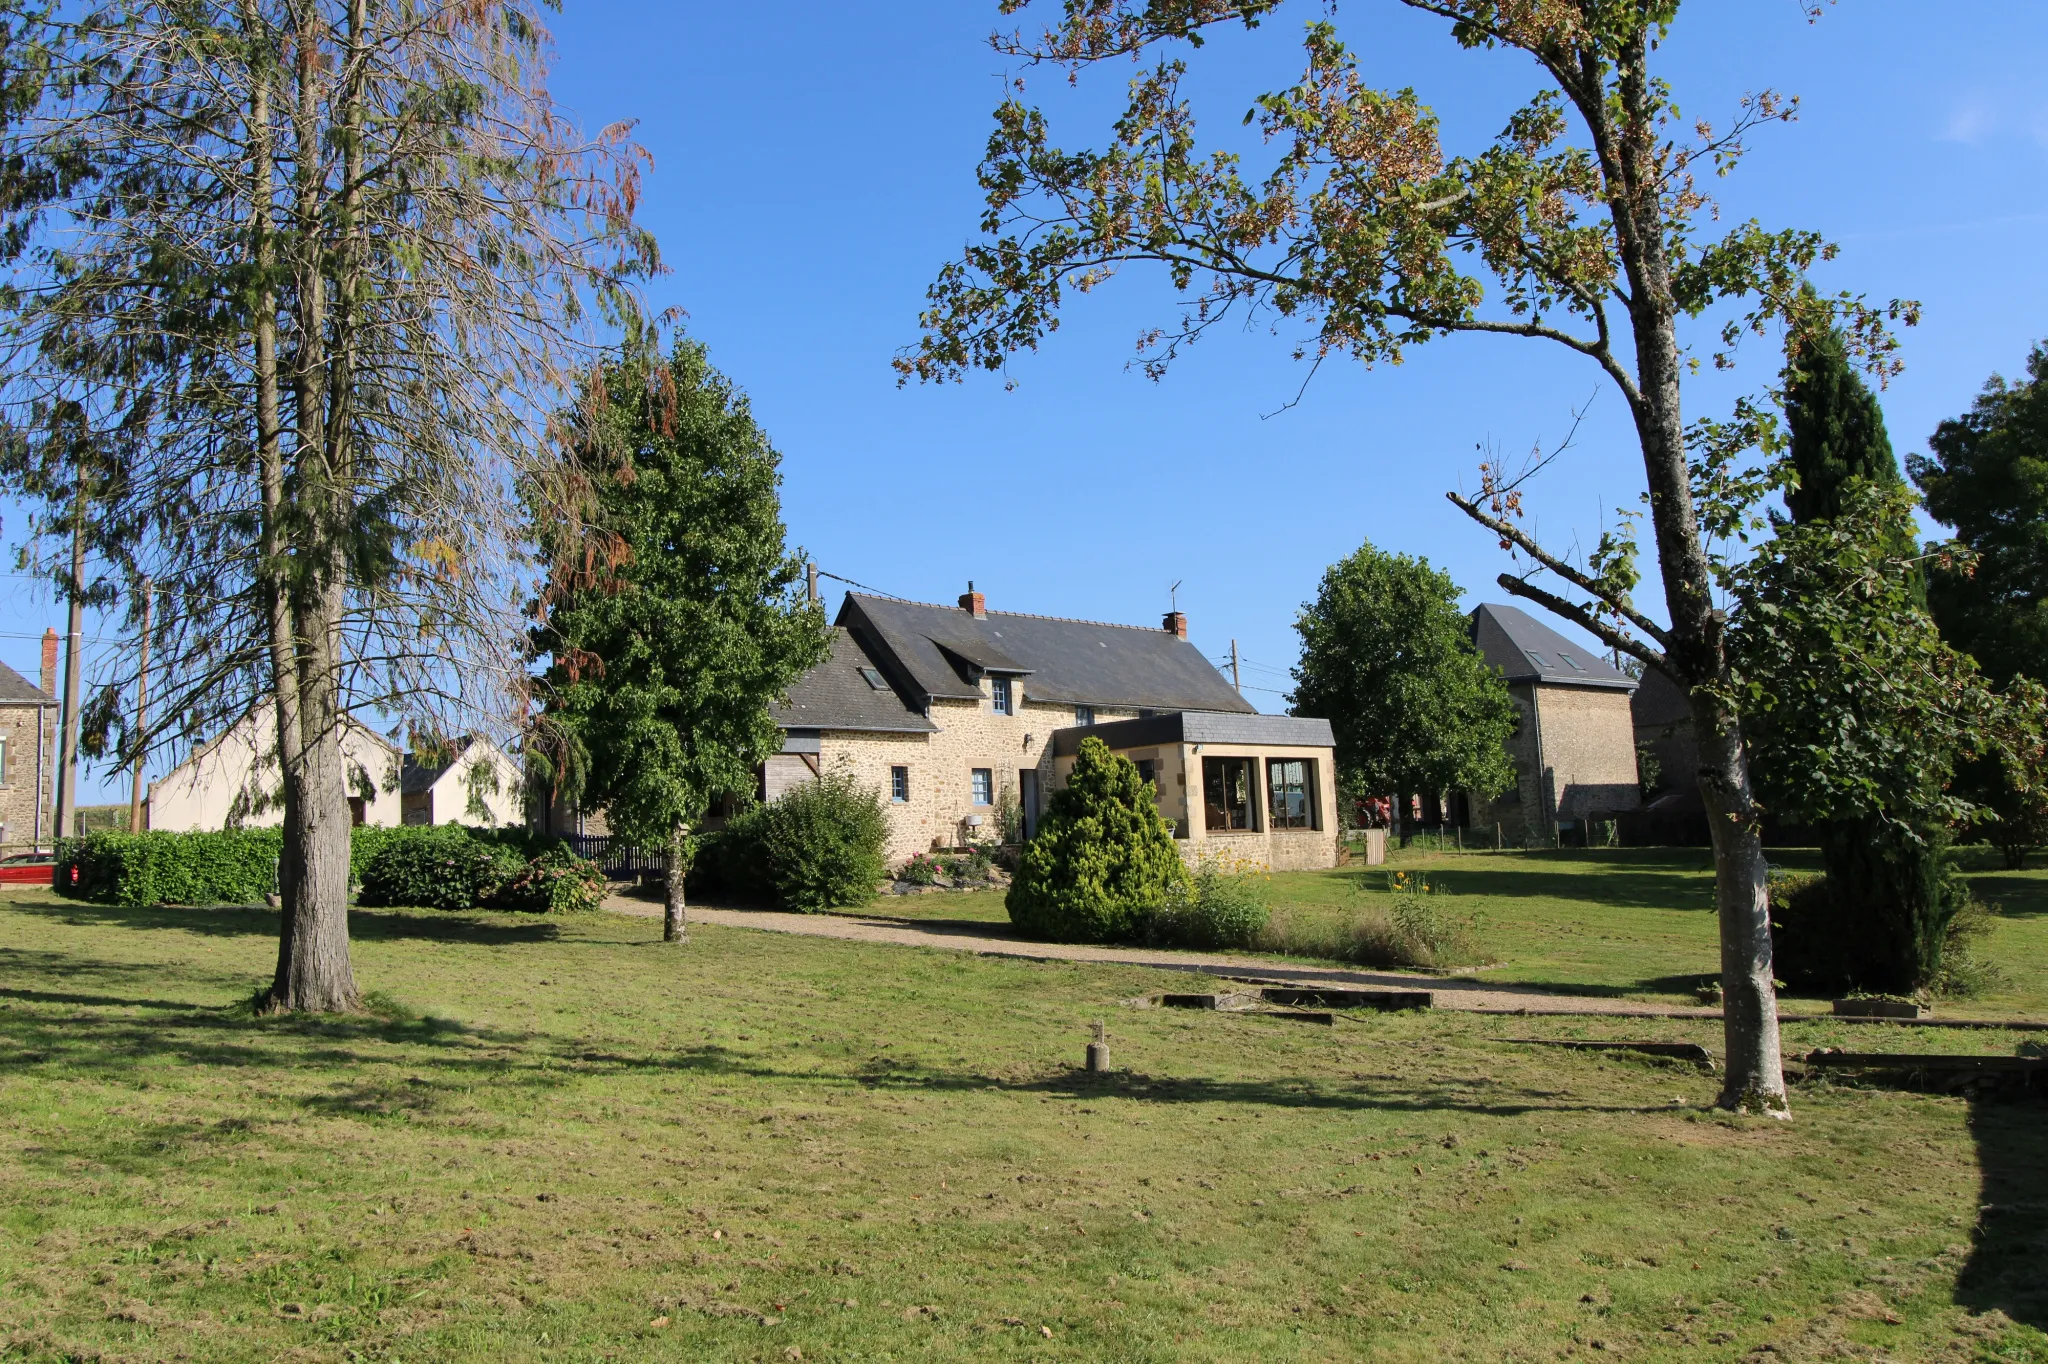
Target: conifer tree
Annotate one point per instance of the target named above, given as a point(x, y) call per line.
point(1891, 888)
point(1103, 862)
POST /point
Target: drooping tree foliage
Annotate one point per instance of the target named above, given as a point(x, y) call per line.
point(291, 287)
point(1854, 726)
point(1387, 657)
point(1582, 225)
point(673, 615)
point(1103, 862)
point(1987, 478)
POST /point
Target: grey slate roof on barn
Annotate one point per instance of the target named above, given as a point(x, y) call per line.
point(1073, 662)
point(16, 690)
point(836, 695)
point(1199, 727)
point(416, 777)
point(1526, 650)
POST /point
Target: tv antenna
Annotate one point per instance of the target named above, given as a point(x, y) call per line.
point(1173, 595)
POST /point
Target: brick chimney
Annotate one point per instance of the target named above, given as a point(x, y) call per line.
point(50, 661)
point(973, 602)
point(1176, 624)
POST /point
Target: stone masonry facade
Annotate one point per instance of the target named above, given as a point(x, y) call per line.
point(941, 765)
point(1574, 758)
point(28, 765)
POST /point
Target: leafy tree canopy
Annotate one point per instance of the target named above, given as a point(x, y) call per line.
point(1988, 478)
point(673, 618)
point(1387, 657)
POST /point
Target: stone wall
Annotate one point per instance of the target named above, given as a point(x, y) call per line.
point(1586, 768)
point(26, 784)
point(970, 735)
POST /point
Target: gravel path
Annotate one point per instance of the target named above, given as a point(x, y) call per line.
point(988, 940)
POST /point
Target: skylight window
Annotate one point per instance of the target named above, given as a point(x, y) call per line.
point(1536, 658)
point(1570, 662)
point(874, 679)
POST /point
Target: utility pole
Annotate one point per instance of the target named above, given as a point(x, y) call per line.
point(1235, 680)
point(74, 644)
point(141, 706)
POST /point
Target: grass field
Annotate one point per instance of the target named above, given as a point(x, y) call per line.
point(1633, 922)
point(562, 1140)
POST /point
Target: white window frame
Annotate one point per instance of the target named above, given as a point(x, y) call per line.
point(981, 786)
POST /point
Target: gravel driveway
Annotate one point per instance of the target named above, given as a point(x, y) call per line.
point(1454, 992)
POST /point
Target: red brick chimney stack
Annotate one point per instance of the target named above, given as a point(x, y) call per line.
point(50, 661)
point(1176, 623)
point(973, 602)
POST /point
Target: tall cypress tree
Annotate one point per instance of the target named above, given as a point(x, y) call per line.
point(1889, 877)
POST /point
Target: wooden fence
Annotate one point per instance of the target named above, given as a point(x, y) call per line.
point(621, 860)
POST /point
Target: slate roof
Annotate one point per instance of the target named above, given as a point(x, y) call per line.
point(1075, 662)
point(1526, 650)
point(416, 778)
point(16, 690)
point(1199, 727)
point(835, 695)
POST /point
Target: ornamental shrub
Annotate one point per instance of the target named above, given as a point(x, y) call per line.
point(816, 847)
point(1103, 863)
point(440, 867)
point(820, 845)
point(556, 881)
point(231, 867)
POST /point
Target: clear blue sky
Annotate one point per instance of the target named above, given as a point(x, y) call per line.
point(814, 166)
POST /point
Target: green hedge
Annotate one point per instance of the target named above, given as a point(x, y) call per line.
point(240, 866)
point(236, 867)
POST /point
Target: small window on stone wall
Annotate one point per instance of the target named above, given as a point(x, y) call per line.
point(983, 781)
point(1084, 715)
point(899, 784)
point(999, 693)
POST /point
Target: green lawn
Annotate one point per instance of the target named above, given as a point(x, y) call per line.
point(561, 1140)
point(1635, 922)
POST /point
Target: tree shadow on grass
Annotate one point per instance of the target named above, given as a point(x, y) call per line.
point(364, 925)
point(1631, 878)
point(2008, 1265)
point(2017, 896)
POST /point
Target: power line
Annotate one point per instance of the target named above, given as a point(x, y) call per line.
point(862, 586)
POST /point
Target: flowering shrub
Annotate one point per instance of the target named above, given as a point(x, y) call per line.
point(556, 882)
point(921, 870)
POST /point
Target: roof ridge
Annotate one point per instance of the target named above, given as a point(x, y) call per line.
point(1025, 615)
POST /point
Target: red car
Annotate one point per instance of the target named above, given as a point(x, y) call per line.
point(27, 869)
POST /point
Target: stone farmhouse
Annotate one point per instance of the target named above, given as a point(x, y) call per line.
point(231, 782)
point(1575, 749)
point(28, 755)
point(966, 720)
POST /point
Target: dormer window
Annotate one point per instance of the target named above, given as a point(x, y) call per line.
point(999, 694)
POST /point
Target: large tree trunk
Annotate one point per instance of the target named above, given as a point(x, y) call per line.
point(674, 919)
point(306, 563)
point(1755, 1074)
